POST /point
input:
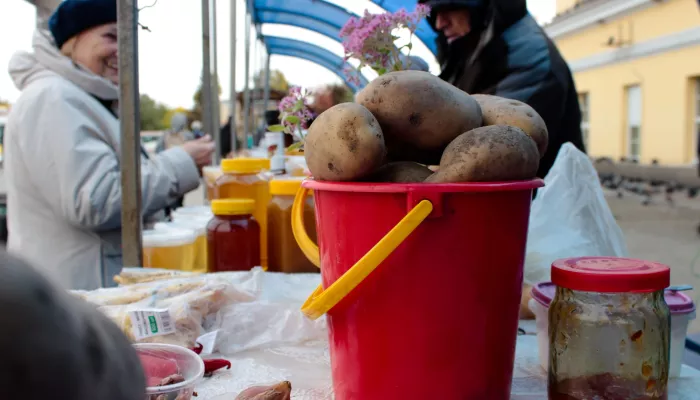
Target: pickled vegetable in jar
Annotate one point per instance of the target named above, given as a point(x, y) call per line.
point(245, 178)
point(233, 236)
point(285, 255)
point(169, 249)
point(609, 330)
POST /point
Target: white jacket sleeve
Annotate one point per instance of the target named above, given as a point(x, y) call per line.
point(76, 164)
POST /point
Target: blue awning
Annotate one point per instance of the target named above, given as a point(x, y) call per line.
point(313, 53)
point(327, 18)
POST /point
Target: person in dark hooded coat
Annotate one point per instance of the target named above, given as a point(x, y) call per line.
point(496, 47)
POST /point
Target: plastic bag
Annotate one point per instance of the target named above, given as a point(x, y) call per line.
point(186, 308)
point(132, 276)
point(570, 217)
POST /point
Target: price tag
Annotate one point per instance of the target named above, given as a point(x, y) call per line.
point(150, 322)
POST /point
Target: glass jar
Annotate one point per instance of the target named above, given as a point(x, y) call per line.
point(245, 178)
point(211, 174)
point(285, 254)
point(609, 330)
point(233, 236)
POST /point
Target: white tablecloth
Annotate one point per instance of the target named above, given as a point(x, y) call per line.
point(269, 340)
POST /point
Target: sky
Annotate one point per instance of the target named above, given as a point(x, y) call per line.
point(170, 54)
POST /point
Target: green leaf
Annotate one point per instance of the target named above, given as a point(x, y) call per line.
point(292, 119)
point(275, 128)
point(295, 146)
point(409, 45)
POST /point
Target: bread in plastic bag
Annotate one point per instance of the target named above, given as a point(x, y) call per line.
point(193, 303)
point(132, 276)
point(570, 217)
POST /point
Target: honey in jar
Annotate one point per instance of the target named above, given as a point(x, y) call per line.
point(233, 236)
point(211, 174)
point(246, 178)
point(285, 255)
point(198, 226)
point(169, 249)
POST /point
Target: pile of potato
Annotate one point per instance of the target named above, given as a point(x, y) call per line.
point(404, 121)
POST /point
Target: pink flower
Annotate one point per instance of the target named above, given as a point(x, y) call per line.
point(294, 111)
point(370, 39)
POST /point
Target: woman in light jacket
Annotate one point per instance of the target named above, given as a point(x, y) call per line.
point(63, 151)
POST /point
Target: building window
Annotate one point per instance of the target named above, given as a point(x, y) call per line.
point(583, 103)
point(634, 122)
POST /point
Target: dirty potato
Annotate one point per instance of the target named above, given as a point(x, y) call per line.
point(344, 143)
point(419, 113)
point(401, 172)
point(488, 154)
point(501, 111)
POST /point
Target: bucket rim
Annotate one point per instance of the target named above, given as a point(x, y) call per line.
point(470, 187)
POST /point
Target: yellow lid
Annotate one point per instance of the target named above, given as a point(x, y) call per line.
point(285, 186)
point(244, 165)
point(233, 206)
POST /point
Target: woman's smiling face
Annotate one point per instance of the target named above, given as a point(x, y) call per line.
point(96, 49)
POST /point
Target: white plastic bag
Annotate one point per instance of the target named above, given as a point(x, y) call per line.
point(570, 217)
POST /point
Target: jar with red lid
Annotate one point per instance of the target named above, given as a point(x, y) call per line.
point(609, 330)
point(233, 236)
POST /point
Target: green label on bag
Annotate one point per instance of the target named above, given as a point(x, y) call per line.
point(154, 325)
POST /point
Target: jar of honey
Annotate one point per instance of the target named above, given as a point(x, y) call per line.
point(246, 178)
point(285, 254)
point(233, 236)
point(210, 175)
point(198, 226)
point(170, 249)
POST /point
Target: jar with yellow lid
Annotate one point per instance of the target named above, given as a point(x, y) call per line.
point(245, 178)
point(169, 249)
point(233, 236)
point(284, 252)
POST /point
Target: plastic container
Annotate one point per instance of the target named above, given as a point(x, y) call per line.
point(609, 330)
point(169, 249)
point(160, 361)
point(682, 312)
point(408, 278)
point(198, 226)
point(211, 174)
point(233, 236)
point(246, 178)
point(285, 255)
point(192, 211)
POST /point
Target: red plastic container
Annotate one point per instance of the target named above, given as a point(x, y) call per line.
point(424, 324)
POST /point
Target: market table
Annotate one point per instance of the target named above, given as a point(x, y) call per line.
point(307, 366)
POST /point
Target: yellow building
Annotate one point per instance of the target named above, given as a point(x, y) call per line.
point(637, 69)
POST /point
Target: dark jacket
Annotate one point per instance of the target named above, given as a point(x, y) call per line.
point(508, 54)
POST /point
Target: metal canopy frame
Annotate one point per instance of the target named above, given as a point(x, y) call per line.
point(311, 52)
point(327, 18)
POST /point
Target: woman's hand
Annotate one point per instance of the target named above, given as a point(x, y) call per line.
point(200, 150)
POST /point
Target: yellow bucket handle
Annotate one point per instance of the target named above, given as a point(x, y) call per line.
point(308, 247)
point(321, 301)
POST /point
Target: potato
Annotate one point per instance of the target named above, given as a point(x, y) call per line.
point(344, 143)
point(401, 172)
point(501, 111)
point(488, 154)
point(419, 113)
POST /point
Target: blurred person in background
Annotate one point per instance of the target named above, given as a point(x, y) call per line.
point(197, 129)
point(56, 346)
point(177, 135)
point(63, 151)
point(328, 96)
point(496, 47)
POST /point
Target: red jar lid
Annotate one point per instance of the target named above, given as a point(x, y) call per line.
point(610, 274)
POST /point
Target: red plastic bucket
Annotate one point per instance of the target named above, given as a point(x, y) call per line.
point(421, 284)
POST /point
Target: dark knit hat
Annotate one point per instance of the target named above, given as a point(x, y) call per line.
point(75, 16)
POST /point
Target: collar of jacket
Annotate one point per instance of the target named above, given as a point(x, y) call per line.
point(46, 58)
